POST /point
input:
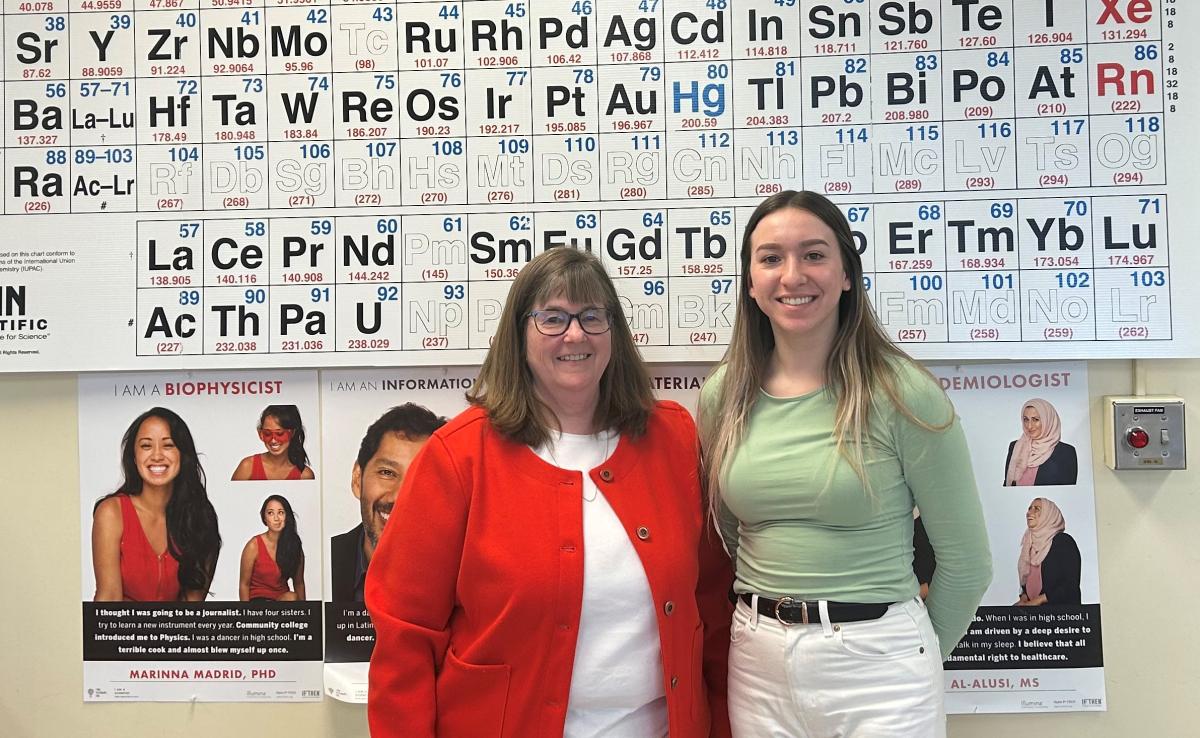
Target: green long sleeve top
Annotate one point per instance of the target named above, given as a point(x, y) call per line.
point(798, 521)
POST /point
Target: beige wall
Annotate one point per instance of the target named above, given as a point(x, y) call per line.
point(1149, 531)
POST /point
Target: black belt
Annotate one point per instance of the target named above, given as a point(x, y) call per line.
point(793, 612)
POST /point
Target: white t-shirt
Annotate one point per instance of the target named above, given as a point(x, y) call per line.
point(617, 680)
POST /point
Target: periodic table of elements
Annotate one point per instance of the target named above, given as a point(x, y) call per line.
point(219, 183)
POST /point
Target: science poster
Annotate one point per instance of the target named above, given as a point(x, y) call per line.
point(201, 551)
point(1035, 644)
point(374, 422)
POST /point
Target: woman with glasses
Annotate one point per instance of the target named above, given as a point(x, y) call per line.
point(282, 432)
point(549, 571)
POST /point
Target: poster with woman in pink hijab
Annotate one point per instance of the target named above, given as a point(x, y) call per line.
point(1035, 645)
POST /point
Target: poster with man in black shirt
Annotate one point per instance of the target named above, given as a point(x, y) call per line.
point(377, 423)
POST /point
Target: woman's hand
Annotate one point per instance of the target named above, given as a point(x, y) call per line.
point(107, 527)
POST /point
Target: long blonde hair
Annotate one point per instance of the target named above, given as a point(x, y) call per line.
point(861, 361)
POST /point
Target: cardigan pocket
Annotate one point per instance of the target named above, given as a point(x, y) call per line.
point(471, 698)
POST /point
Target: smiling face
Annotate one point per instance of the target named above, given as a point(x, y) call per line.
point(274, 516)
point(274, 436)
point(796, 275)
point(1034, 513)
point(567, 368)
point(155, 453)
point(376, 485)
point(1031, 422)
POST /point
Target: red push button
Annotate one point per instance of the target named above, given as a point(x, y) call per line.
point(1138, 438)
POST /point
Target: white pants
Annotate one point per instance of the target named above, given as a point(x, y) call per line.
point(870, 679)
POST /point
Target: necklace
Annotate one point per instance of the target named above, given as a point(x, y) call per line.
point(589, 494)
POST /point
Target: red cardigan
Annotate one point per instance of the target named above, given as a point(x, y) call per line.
point(477, 584)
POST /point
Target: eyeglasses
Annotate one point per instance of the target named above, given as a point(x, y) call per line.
point(593, 321)
point(280, 435)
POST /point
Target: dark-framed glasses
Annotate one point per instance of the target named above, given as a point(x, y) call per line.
point(593, 321)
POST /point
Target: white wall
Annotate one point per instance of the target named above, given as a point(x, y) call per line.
point(1148, 525)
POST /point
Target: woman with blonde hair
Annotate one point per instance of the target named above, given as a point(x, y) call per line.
point(819, 437)
point(546, 569)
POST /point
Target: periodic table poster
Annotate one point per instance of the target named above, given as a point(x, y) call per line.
point(259, 183)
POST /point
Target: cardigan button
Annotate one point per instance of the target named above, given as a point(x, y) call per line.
point(674, 681)
point(643, 533)
point(606, 475)
point(669, 608)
